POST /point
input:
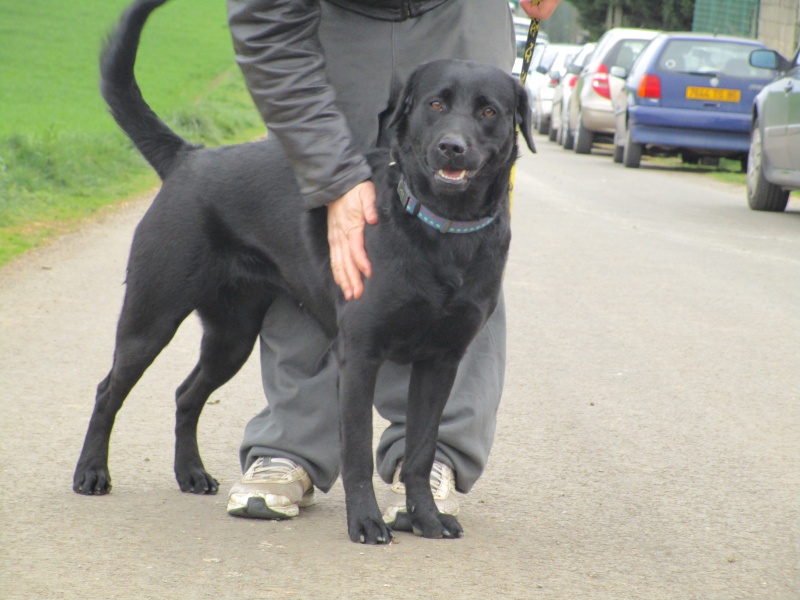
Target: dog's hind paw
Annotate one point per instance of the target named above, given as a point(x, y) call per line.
point(197, 481)
point(91, 482)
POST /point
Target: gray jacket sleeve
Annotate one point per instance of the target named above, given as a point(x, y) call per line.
point(278, 51)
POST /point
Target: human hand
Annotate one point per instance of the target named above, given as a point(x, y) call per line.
point(540, 11)
point(346, 219)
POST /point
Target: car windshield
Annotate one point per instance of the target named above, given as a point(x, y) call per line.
point(710, 57)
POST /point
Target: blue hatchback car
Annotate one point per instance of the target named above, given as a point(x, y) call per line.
point(689, 94)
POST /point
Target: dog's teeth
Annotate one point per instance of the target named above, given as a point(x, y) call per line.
point(449, 174)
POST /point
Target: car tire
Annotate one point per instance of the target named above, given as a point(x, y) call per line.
point(583, 138)
point(567, 138)
point(761, 194)
point(619, 151)
point(552, 135)
point(542, 126)
point(689, 158)
point(632, 152)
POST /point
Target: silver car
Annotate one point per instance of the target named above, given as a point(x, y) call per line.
point(591, 112)
point(541, 83)
point(773, 165)
point(563, 91)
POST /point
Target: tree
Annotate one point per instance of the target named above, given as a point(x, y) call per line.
point(668, 15)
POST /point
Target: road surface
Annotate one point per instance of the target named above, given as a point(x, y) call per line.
point(648, 443)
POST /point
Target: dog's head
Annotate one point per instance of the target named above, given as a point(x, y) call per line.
point(457, 121)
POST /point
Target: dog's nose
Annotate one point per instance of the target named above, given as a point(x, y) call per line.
point(452, 145)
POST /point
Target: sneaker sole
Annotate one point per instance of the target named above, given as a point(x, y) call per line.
point(402, 522)
point(256, 508)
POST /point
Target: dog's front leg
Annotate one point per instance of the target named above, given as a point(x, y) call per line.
point(356, 392)
point(431, 382)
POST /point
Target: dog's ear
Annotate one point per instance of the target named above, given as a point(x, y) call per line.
point(405, 101)
point(522, 116)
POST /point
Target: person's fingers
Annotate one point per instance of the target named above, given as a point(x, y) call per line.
point(541, 11)
point(346, 219)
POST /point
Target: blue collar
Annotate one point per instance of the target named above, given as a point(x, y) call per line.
point(413, 207)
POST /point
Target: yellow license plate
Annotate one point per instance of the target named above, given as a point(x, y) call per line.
point(717, 95)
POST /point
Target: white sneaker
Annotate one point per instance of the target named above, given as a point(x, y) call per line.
point(443, 486)
point(272, 488)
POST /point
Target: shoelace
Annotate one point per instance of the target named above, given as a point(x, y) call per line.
point(436, 479)
point(274, 468)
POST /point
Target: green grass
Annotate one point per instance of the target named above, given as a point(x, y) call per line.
point(62, 156)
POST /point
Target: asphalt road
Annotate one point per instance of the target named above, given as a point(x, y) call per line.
point(648, 443)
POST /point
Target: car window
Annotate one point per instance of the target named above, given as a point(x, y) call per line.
point(548, 57)
point(710, 57)
point(562, 60)
point(584, 56)
point(623, 53)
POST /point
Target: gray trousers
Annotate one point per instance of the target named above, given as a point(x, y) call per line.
point(366, 62)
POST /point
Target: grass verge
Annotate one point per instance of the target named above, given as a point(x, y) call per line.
point(62, 158)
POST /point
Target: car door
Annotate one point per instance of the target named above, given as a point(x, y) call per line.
point(792, 89)
point(774, 117)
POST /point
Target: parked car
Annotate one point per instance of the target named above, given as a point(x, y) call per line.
point(688, 94)
point(773, 167)
point(562, 93)
point(522, 42)
point(591, 113)
point(542, 81)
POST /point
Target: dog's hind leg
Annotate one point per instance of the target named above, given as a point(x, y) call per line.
point(230, 331)
point(430, 386)
point(141, 335)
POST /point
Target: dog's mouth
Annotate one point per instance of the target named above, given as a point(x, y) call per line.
point(454, 175)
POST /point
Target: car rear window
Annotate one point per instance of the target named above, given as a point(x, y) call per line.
point(623, 53)
point(709, 57)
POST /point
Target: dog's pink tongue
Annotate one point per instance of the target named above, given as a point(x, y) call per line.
point(453, 173)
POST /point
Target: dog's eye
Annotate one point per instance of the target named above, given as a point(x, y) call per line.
point(436, 105)
point(489, 112)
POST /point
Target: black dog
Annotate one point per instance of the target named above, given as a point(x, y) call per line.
point(227, 233)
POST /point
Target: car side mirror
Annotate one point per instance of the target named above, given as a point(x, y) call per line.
point(617, 71)
point(574, 69)
point(541, 69)
point(768, 59)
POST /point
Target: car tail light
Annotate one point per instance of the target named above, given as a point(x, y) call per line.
point(572, 80)
point(650, 87)
point(600, 82)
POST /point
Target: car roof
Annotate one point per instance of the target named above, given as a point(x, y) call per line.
point(631, 32)
point(693, 35)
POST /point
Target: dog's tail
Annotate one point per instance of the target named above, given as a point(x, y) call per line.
point(158, 143)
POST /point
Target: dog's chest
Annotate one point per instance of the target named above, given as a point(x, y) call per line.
point(417, 309)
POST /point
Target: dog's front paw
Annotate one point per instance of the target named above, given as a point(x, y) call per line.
point(197, 481)
point(436, 526)
point(369, 530)
point(91, 481)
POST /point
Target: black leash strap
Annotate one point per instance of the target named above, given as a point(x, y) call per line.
point(533, 32)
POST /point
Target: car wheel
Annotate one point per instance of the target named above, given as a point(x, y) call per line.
point(761, 194)
point(552, 135)
point(688, 158)
point(567, 138)
point(542, 126)
point(632, 152)
point(583, 138)
point(618, 153)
